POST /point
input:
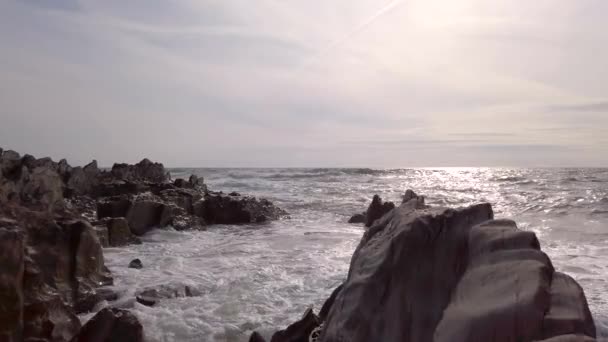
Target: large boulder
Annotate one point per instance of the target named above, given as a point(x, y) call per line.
point(31, 182)
point(111, 325)
point(146, 215)
point(222, 209)
point(144, 171)
point(83, 180)
point(152, 295)
point(62, 267)
point(437, 274)
point(119, 232)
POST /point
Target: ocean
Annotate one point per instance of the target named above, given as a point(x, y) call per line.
point(263, 277)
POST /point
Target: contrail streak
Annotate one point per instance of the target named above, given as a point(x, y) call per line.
point(387, 8)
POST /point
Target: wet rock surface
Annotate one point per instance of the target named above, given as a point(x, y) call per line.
point(437, 274)
point(111, 325)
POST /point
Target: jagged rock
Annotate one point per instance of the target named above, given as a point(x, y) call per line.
point(111, 325)
point(150, 296)
point(145, 170)
point(436, 274)
point(83, 180)
point(329, 303)
point(118, 187)
point(376, 210)
point(12, 255)
point(136, 263)
point(409, 195)
point(145, 215)
point(119, 233)
point(298, 331)
point(256, 337)
point(358, 218)
point(184, 198)
point(221, 209)
point(62, 266)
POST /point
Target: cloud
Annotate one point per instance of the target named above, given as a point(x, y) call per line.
point(218, 83)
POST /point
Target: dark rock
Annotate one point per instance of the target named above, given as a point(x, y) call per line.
point(89, 298)
point(150, 296)
point(83, 180)
point(196, 181)
point(184, 198)
point(436, 274)
point(111, 325)
point(234, 193)
point(114, 207)
point(358, 218)
point(62, 264)
point(119, 233)
point(221, 209)
point(180, 183)
point(256, 337)
point(12, 255)
point(329, 302)
point(146, 215)
point(136, 263)
point(409, 195)
point(145, 170)
point(300, 330)
point(377, 209)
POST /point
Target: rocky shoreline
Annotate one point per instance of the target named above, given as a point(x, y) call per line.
point(420, 273)
point(424, 273)
point(54, 221)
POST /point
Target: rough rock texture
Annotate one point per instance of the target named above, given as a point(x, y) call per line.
point(119, 233)
point(222, 209)
point(111, 325)
point(136, 263)
point(12, 255)
point(145, 170)
point(436, 274)
point(358, 218)
point(62, 267)
point(299, 331)
point(145, 215)
point(151, 295)
point(377, 209)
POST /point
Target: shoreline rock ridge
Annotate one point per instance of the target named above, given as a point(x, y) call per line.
point(424, 273)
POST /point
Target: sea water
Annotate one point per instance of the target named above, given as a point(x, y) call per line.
point(263, 277)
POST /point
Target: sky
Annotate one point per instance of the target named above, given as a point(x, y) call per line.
point(296, 83)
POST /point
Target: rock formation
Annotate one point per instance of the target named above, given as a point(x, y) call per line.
point(435, 274)
point(51, 255)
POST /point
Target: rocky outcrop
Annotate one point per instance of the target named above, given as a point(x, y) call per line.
point(221, 209)
point(111, 325)
point(119, 232)
point(151, 295)
point(136, 263)
point(358, 218)
point(437, 274)
point(377, 209)
point(144, 171)
point(55, 266)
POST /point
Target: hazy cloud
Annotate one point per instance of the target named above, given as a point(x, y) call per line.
point(310, 83)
